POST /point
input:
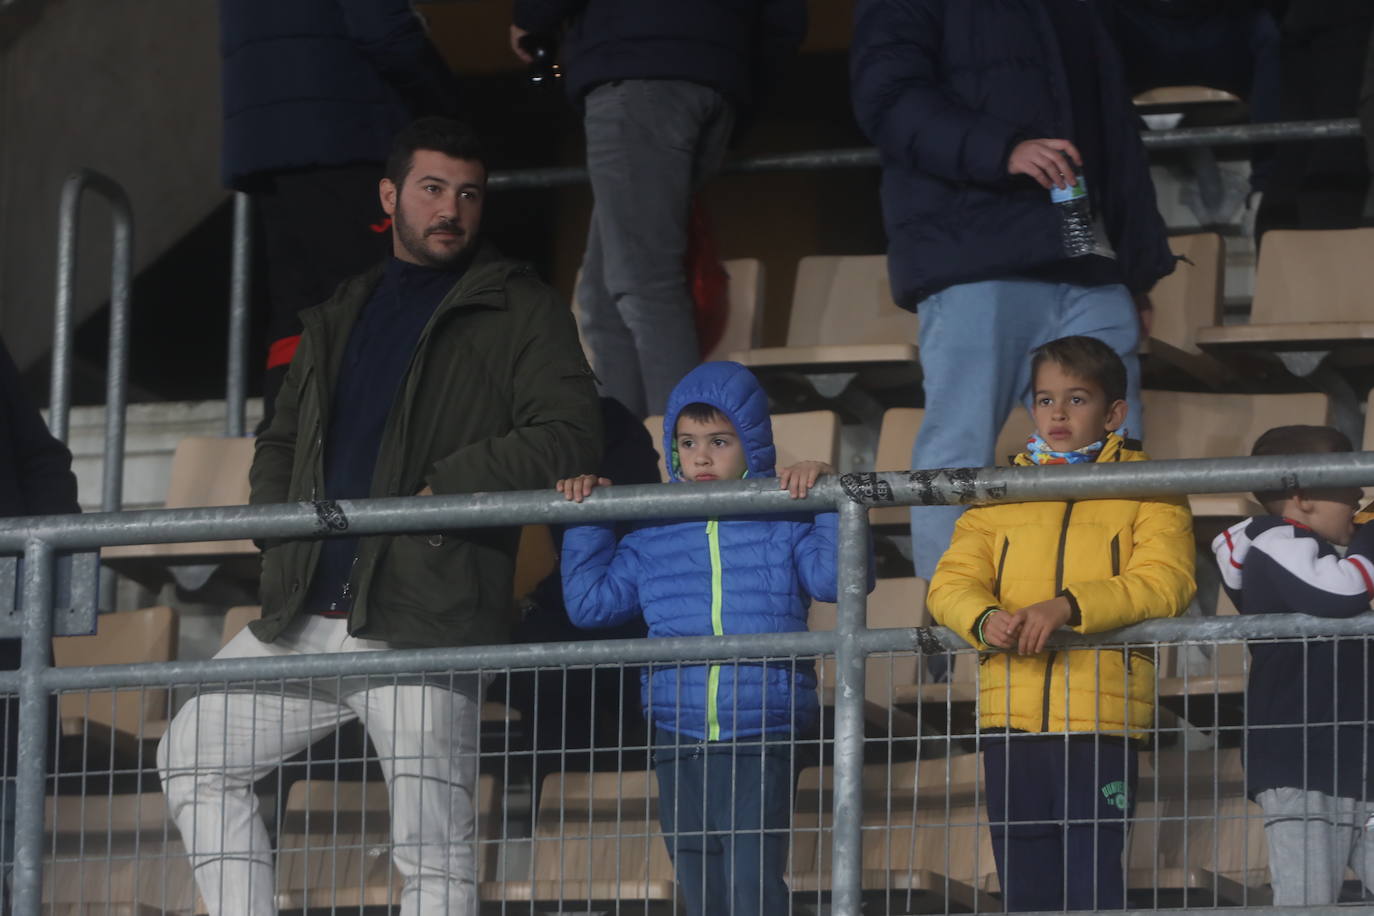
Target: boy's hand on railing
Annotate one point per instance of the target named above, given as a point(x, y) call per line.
point(999, 629)
point(576, 489)
point(1038, 621)
point(799, 478)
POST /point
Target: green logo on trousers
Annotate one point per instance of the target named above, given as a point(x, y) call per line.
point(1115, 794)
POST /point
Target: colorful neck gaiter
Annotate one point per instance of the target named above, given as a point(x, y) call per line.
point(1041, 453)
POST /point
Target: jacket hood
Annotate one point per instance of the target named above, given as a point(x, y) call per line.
point(733, 390)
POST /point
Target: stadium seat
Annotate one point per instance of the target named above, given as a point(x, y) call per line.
point(334, 844)
point(1213, 693)
point(535, 558)
point(1205, 425)
point(899, 603)
point(206, 471)
point(1181, 97)
point(597, 845)
point(843, 321)
point(744, 322)
point(926, 843)
point(1185, 300)
point(114, 854)
point(124, 719)
point(811, 434)
point(1311, 294)
point(236, 618)
point(1196, 840)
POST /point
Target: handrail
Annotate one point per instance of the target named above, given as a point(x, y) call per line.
point(121, 281)
point(867, 157)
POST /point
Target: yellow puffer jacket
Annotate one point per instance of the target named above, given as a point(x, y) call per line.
point(1120, 561)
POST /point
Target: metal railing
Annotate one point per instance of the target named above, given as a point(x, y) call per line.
point(862, 158)
point(850, 643)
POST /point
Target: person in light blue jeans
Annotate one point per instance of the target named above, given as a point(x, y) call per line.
point(975, 377)
point(984, 113)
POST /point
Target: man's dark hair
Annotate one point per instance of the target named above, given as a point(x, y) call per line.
point(1296, 440)
point(441, 135)
point(1088, 358)
point(700, 412)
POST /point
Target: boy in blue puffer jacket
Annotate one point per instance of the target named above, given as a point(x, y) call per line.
point(722, 733)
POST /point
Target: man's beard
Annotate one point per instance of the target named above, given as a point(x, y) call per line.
point(413, 241)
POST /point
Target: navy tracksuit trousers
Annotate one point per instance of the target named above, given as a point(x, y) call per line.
point(1059, 808)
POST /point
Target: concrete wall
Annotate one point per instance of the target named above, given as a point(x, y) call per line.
point(128, 87)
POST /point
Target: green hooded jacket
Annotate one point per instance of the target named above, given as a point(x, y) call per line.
point(498, 396)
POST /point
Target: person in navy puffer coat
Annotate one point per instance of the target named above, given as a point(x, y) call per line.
point(721, 731)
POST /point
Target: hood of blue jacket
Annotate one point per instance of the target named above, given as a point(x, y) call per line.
point(735, 392)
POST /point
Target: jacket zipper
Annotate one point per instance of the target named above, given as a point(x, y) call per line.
point(1001, 566)
point(717, 627)
point(1058, 589)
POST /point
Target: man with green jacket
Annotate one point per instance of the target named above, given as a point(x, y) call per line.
point(448, 369)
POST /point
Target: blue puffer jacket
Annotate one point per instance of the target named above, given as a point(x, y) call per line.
point(696, 577)
point(945, 89)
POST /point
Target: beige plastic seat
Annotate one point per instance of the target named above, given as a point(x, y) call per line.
point(1206, 425)
point(236, 618)
point(1179, 97)
point(597, 845)
point(535, 558)
point(123, 719)
point(334, 844)
point(1311, 293)
point(1196, 839)
point(1185, 300)
point(744, 321)
point(206, 471)
point(897, 603)
point(843, 320)
point(114, 854)
point(925, 836)
point(808, 435)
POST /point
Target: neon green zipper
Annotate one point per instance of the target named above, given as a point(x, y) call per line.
point(717, 627)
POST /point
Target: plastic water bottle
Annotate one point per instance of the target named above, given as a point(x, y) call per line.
point(1075, 217)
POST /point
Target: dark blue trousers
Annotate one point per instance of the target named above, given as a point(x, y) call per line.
point(1058, 810)
point(725, 807)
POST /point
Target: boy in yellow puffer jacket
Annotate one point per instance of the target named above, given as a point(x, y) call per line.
point(1061, 727)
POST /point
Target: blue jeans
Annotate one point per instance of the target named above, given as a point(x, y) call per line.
point(976, 343)
point(1038, 786)
point(650, 144)
point(725, 807)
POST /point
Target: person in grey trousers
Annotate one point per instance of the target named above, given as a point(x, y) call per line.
point(663, 85)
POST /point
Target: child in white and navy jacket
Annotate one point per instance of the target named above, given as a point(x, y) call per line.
point(1309, 757)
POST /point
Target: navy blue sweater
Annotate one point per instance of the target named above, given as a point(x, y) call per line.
point(945, 89)
point(1309, 703)
point(375, 365)
point(735, 46)
point(311, 83)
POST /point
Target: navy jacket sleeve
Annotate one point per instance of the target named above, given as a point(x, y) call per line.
point(42, 465)
point(544, 15)
point(1298, 577)
point(902, 106)
point(600, 576)
point(392, 36)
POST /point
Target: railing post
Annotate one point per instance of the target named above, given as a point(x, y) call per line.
point(31, 766)
point(850, 621)
point(236, 378)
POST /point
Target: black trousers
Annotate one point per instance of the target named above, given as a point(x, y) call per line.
point(1058, 809)
point(317, 227)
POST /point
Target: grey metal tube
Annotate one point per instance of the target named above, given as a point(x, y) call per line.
point(117, 367)
point(240, 280)
point(850, 621)
point(647, 651)
point(68, 224)
point(957, 486)
point(33, 729)
point(867, 157)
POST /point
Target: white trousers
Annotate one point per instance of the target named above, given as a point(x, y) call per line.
point(1312, 839)
point(426, 737)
